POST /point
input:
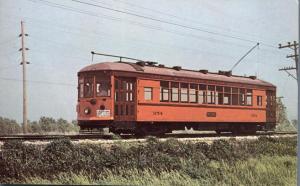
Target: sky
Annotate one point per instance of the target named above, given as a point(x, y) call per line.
point(194, 34)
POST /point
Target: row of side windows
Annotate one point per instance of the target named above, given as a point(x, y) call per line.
point(202, 94)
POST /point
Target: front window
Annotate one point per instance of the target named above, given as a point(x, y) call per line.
point(103, 88)
point(88, 87)
point(81, 87)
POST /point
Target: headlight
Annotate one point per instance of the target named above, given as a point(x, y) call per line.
point(87, 111)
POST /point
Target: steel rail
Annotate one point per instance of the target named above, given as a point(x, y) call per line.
point(102, 136)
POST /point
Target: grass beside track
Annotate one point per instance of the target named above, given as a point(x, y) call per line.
point(265, 161)
point(266, 170)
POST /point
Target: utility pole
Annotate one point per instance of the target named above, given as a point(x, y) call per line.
point(24, 63)
point(295, 56)
point(298, 136)
point(295, 47)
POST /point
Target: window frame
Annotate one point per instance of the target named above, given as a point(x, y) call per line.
point(219, 95)
point(178, 94)
point(195, 94)
point(212, 95)
point(242, 96)
point(186, 94)
point(108, 90)
point(249, 96)
point(259, 101)
point(164, 90)
point(151, 93)
point(236, 95)
point(202, 88)
point(227, 94)
point(84, 86)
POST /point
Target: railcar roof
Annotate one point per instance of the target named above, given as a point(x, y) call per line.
point(153, 69)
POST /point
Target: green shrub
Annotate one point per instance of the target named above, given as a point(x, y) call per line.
point(222, 150)
point(59, 156)
point(19, 160)
point(197, 160)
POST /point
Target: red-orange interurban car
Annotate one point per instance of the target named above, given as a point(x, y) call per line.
point(146, 98)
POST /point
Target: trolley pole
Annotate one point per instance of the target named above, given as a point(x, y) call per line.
point(24, 63)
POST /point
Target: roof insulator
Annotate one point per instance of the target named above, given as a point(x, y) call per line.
point(177, 68)
point(228, 73)
point(252, 77)
point(221, 72)
point(161, 65)
point(203, 71)
point(141, 63)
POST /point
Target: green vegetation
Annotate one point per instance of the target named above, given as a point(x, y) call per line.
point(44, 125)
point(266, 161)
point(283, 123)
point(8, 126)
point(262, 171)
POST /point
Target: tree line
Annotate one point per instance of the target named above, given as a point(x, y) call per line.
point(43, 125)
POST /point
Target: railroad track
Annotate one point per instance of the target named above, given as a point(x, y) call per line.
point(98, 136)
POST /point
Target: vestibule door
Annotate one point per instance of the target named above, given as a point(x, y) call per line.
point(125, 97)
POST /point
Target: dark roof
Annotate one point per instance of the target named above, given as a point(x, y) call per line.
point(133, 67)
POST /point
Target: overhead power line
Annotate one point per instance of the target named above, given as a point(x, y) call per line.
point(56, 5)
point(289, 74)
point(39, 82)
point(64, 7)
point(163, 21)
point(174, 16)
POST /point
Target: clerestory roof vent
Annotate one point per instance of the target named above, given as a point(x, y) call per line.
point(204, 71)
point(146, 63)
point(225, 73)
point(177, 68)
point(141, 63)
